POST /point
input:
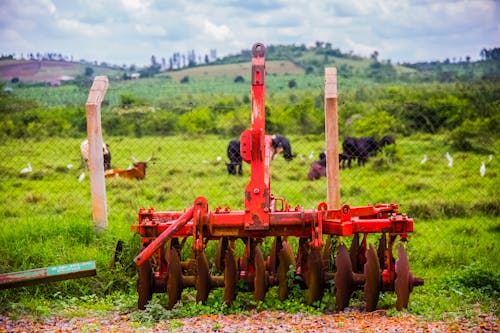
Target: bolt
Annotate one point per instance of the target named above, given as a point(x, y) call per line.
point(256, 190)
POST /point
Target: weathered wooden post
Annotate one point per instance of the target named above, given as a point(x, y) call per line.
point(96, 160)
point(332, 139)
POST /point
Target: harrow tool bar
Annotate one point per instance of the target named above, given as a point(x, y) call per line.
point(164, 233)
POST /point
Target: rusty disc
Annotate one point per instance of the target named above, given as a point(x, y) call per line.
point(144, 284)
point(343, 278)
point(402, 282)
point(219, 264)
point(382, 246)
point(327, 252)
point(315, 274)
point(174, 281)
point(286, 258)
point(260, 282)
point(202, 282)
point(372, 279)
point(220, 254)
point(273, 256)
point(353, 252)
point(230, 277)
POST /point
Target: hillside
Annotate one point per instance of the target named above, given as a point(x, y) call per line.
point(49, 71)
point(277, 67)
point(281, 59)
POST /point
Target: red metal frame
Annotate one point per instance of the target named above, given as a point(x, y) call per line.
point(264, 215)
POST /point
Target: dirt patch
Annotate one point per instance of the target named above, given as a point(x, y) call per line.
point(36, 71)
point(266, 321)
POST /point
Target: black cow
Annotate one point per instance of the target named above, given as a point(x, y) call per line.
point(360, 149)
point(387, 140)
point(318, 168)
point(281, 144)
point(233, 153)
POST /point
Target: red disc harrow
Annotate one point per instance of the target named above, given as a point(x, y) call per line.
point(164, 234)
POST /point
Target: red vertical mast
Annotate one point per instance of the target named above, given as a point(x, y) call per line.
point(255, 149)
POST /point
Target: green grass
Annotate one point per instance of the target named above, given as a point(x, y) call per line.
point(46, 220)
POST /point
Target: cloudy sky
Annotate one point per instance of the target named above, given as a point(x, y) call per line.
point(130, 31)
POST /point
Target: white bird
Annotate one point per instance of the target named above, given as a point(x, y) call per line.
point(490, 157)
point(82, 177)
point(27, 169)
point(302, 158)
point(423, 159)
point(69, 166)
point(311, 155)
point(204, 161)
point(219, 158)
point(450, 159)
point(482, 169)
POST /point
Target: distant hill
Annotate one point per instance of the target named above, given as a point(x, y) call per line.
point(280, 59)
point(49, 71)
point(278, 67)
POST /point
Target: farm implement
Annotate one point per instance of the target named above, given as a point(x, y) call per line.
point(362, 266)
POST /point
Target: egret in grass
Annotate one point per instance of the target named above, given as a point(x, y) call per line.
point(450, 159)
point(28, 169)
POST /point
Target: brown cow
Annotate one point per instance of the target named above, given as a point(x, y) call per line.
point(138, 171)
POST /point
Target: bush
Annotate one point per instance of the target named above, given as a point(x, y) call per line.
point(197, 121)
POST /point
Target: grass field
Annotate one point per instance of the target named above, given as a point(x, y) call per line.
point(46, 217)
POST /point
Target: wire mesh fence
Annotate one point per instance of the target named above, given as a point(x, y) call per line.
point(46, 178)
point(422, 173)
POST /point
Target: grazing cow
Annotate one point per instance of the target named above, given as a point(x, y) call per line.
point(233, 153)
point(281, 144)
point(138, 171)
point(106, 154)
point(360, 149)
point(318, 168)
point(387, 140)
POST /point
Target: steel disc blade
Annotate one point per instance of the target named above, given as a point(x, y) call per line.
point(202, 278)
point(286, 258)
point(343, 278)
point(327, 254)
point(273, 256)
point(230, 277)
point(260, 283)
point(144, 284)
point(402, 282)
point(353, 252)
point(372, 276)
point(382, 246)
point(315, 288)
point(219, 264)
point(174, 281)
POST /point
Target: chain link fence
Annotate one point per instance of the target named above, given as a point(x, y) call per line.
point(429, 177)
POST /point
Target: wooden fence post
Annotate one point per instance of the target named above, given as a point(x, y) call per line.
point(332, 139)
point(96, 159)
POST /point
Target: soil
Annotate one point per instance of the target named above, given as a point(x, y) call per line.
point(266, 321)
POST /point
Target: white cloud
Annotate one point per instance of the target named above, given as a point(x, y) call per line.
point(74, 27)
point(150, 30)
point(136, 6)
point(130, 31)
point(217, 32)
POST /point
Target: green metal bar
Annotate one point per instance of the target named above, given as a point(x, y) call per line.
point(47, 274)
